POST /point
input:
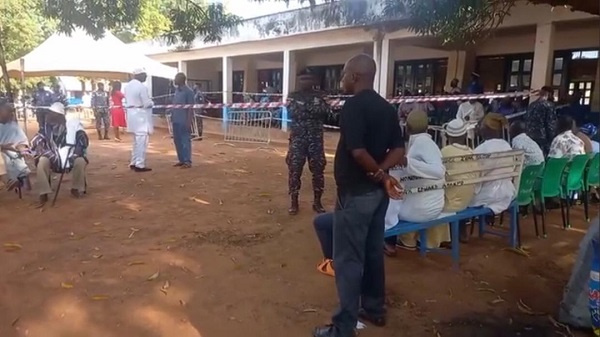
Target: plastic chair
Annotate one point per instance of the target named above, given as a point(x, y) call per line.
point(553, 173)
point(592, 180)
point(574, 181)
point(526, 197)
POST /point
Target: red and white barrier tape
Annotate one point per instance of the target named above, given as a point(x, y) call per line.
point(332, 102)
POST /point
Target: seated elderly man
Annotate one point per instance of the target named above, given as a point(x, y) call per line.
point(423, 168)
point(457, 198)
point(533, 154)
point(61, 145)
point(14, 145)
point(498, 194)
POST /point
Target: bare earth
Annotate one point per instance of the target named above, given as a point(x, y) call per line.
point(211, 252)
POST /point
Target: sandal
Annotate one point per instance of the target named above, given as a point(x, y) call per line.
point(401, 245)
point(389, 250)
point(326, 267)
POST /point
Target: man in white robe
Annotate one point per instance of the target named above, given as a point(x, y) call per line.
point(424, 168)
point(498, 194)
point(13, 142)
point(139, 119)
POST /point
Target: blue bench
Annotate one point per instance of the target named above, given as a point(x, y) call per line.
point(405, 227)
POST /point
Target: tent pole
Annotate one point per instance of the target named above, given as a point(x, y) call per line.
point(22, 62)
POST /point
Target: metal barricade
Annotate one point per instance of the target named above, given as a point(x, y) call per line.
point(196, 126)
point(248, 126)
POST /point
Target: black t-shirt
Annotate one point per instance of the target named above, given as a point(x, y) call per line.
point(368, 122)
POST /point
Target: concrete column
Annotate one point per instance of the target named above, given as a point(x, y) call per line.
point(461, 64)
point(290, 69)
point(250, 76)
point(227, 79)
point(377, 57)
point(595, 106)
point(182, 67)
point(386, 70)
point(543, 56)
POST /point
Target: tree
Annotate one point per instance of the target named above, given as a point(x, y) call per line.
point(22, 27)
point(179, 21)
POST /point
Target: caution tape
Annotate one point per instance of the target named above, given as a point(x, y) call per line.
point(335, 102)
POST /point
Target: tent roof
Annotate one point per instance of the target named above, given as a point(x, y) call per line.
point(81, 55)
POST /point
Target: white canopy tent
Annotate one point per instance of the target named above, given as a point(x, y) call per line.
point(81, 55)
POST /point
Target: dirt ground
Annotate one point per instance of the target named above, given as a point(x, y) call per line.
point(212, 252)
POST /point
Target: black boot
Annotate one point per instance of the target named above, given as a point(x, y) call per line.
point(294, 206)
point(317, 205)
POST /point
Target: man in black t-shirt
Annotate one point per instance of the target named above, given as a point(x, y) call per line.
point(370, 143)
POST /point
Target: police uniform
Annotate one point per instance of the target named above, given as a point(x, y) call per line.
point(308, 110)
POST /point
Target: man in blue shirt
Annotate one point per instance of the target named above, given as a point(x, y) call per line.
point(182, 119)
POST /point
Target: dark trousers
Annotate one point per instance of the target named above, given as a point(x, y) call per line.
point(40, 116)
point(182, 137)
point(358, 227)
point(302, 147)
point(324, 228)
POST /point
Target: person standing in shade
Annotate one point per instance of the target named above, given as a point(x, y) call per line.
point(370, 144)
point(182, 119)
point(139, 119)
point(100, 108)
point(475, 87)
point(308, 111)
point(541, 119)
point(41, 98)
point(199, 98)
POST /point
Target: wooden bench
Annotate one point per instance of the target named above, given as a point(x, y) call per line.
point(484, 164)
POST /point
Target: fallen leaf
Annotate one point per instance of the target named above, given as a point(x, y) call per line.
point(99, 297)
point(497, 300)
point(97, 256)
point(97, 223)
point(489, 290)
point(136, 263)
point(518, 251)
point(305, 311)
point(200, 201)
point(12, 247)
point(182, 302)
point(66, 285)
point(153, 276)
point(163, 291)
point(167, 285)
point(524, 308)
point(15, 321)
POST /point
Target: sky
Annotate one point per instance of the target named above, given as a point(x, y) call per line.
point(249, 9)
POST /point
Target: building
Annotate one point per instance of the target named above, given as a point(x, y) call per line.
point(536, 45)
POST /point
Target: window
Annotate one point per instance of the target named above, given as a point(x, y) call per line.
point(328, 77)
point(238, 81)
point(557, 71)
point(584, 89)
point(519, 77)
point(584, 54)
point(420, 77)
point(270, 78)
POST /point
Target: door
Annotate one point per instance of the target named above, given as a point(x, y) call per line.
point(585, 89)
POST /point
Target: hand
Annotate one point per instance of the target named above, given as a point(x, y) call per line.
point(393, 188)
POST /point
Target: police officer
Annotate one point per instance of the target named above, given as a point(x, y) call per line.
point(308, 110)
point(41, 98)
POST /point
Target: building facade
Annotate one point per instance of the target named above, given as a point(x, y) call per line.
point(534, 46)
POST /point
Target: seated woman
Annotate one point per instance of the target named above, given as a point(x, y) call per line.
point(566, 143)
point(424, 167)
point(496, 195)
point(14, 144)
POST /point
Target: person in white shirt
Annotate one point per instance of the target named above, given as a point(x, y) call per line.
point(139, 119)
point(470, 111)
point(498, 194)
point(424, 168)
point(521, 141)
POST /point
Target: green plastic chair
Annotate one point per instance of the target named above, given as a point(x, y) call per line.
point(525, 195)
point(574, 181)
point(592, 180)
point(551, 186)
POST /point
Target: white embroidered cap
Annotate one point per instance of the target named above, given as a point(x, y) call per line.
point(138, 71)
point(456, 128)
point(57, 107)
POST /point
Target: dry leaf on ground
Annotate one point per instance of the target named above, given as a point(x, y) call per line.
point(66, 285)
point(153, 276)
